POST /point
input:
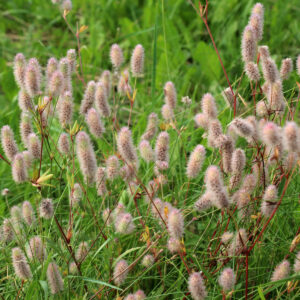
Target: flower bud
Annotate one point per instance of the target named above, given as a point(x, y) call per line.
point(139, 295)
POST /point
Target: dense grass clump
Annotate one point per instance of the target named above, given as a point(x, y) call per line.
point(118, 184)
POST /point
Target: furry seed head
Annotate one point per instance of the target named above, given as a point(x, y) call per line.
point(202, 121)
point(20, 264)
point(34, 146)
point(86, 156)
point(65, 108)
point(146, 151)
point(243, 128)
point(196, 286)
point(214, 132)
point(120, 272)
point(82, 251)
point(94, 123)
point(271, 134)
point(151, 127)
point(7, 232)
point(52, 66)
point(124, 87)
point(9, 144)
point(75, 195)
point(54, 278)
point(63, 143)
point(25, 127)
point(227, 148)
point(238, 160)
point(248, 44)
point(286, 68)
point(101, 98)
point(19, 169)
point(270, 70)
point(167, 113)
point(297, 263)
point(112, 167)
point(125, 145)
point(291, 137)
point(195, 161)
point(170, 94)
point(28, 213)
point(71, 57)
point(56, 83)
point(208, 105)
point(227, 279)
point(264, 52)
point(226, 237)
point(137, 61)
point(116, 56)
point(35, 249)
point(270, 193)
point(19, 69)
point(256, 22)
point(281, 271)
point(106, 81)
point(229, 97)
point(261, 108)
point(176, 223)
point(186, 100)
point(139, 295)
point(238, 243)
point(24, 101)
point(101, 181)
point(174, 245)
point(298, 65)
point(46, 208)
point(88, 98)
point(204, 202)
point(107, 217)
point(275, 97)
point(252, 71)
point(148, 260)
point(73, 268)
point(124, 223)
point(32, 78)
point(162, 149)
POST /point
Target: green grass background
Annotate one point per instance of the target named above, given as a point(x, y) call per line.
point(177, 48)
